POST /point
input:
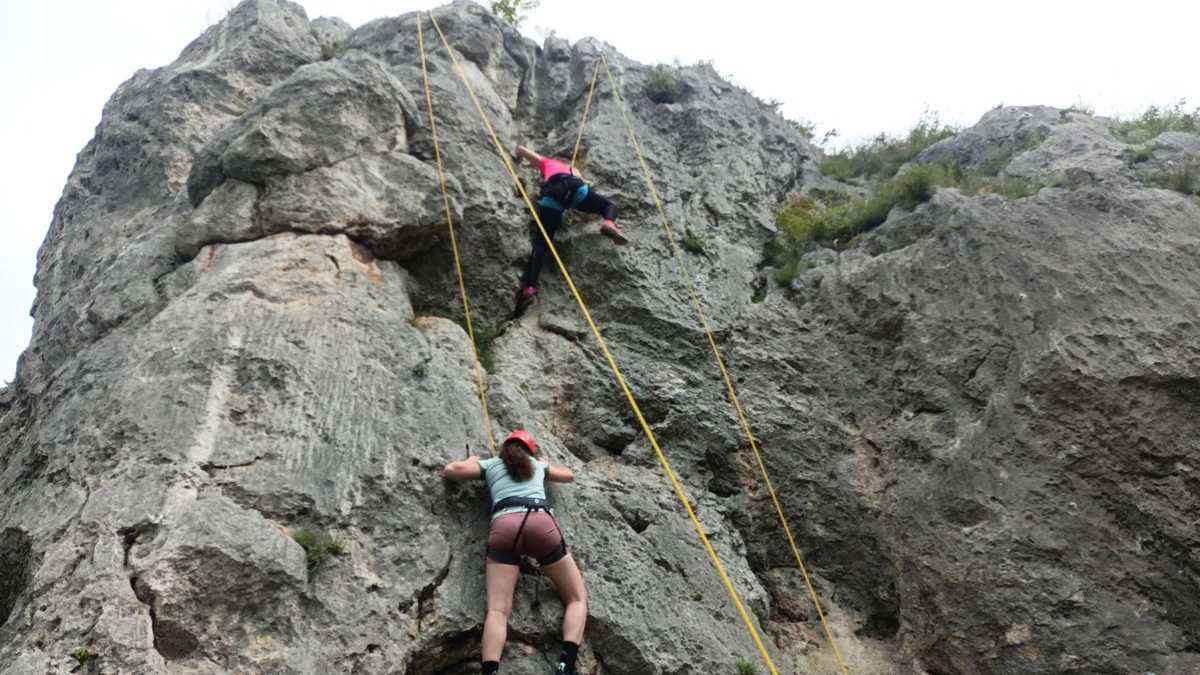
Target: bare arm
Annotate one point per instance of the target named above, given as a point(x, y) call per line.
point(559, 474)
point(529, 155)
point(463, 469)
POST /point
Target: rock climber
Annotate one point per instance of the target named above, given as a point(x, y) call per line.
point(562, 189)
point(523, 525)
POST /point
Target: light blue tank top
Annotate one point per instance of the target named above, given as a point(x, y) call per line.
point(502, 486)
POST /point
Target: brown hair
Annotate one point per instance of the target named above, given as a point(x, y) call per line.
point(517, 461)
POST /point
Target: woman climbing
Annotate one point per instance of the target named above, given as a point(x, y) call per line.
point(562, 189)
point(522, 525)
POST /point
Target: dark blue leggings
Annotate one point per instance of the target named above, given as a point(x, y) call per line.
point(551, 219)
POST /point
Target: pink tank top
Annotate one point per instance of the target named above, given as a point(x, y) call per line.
point(553, 167)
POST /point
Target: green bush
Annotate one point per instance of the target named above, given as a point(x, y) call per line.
point(807, 129)
point(317, 547)
point(983, 182)
point(661, 85)
point(1157, 120)
point(1015, 188)
point(787, 271)
point(745, 667)
point(513, 11)
point(485, 339)
point(802, 220)
point(84, 656)
point(1139, 156)
point(1184, 179)
point(692, 243)
point(836, 220)
point(883, 156)
point(1082, 107)
point(915, 187)
point(829, 197)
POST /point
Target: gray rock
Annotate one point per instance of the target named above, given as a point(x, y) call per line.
point(980, 420)
point(323, 114)
point(992, 143)
point(331, 34)
point(106, 244)
point(1176, 146)
point(389, 201)
point(1171, 152)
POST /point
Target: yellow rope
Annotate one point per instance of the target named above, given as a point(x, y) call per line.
point(662, 459)
point(732, 392)
point(586, 107)
point(462, 286)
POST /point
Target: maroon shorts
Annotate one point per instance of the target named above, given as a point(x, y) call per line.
point(539, 539)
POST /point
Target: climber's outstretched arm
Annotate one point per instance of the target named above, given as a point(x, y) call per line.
point(559, 474)
point(529, 155)
point(463, 469)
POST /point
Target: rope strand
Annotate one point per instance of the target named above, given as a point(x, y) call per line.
point(730, 389)
point(462, 286)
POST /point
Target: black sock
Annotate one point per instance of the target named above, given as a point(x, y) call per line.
point(491, 667)
point(567, 656)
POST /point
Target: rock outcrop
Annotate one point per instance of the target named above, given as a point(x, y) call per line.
point(982, 419)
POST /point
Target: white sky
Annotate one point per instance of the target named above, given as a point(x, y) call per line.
point(860, 67)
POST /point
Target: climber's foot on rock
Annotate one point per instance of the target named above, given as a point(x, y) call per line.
point(525, 297)
point(610, 230)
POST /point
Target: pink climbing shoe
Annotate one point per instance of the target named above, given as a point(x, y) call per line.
point(610, 230)
point(525, 298)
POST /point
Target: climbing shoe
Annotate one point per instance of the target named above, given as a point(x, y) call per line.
point(525, 297)
point(610, 230)
point(566, 658)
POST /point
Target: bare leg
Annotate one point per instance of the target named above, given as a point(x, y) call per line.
point(569, 584)
point(501, 580)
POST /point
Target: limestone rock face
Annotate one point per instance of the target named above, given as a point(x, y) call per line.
point(982, 420)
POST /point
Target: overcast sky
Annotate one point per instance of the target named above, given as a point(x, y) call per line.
point(860, 67)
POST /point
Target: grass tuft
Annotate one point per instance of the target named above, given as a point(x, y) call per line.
point(882, 156)
point(317, 547)
point(833, 219)
point(1184, 179)
point(485, 342)
point(513, 11)
point(746, 667)
point(806, 128)
point(692, 243)
point(1157, 120)
point(84, 656)
point(662, 86)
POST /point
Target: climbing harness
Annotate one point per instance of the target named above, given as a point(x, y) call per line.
point(730, 389)
point(563, 192)
point(620, 378)
point(531, 505)
point(462, 286)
